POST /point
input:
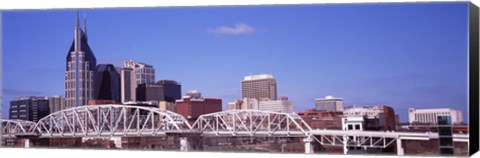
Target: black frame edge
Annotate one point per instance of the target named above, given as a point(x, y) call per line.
point(474, 80)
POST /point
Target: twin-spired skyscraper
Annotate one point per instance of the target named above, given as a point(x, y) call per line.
point(80, 68)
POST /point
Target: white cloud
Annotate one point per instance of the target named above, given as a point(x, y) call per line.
point(238, 29)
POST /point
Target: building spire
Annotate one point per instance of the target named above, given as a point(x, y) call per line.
point(85, 22)
point(85, 25)
point(76, 20)
point(77, 33)
point(77, 52)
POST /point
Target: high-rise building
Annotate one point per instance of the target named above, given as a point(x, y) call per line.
point(235, 105)
point(430, 115)
point(56, 103)
point(163, 90)
point(281, 105)
point(192, 108)
point(172, 90)
point(164, 105)
point(80, 68)
point(329, 103)
point(250, 103)
point(243, 104)
point(29, 108)
point(106, 83)
point(128, 85)
point(144, 73)
point(194, 94)
point(261, 87)
point(100, 102)
point(149, 92)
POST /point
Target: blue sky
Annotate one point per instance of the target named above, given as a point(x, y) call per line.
point(402, 55)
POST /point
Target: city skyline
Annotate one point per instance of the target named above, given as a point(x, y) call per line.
point(368, 59)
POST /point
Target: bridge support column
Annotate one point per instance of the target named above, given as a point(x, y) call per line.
point(345, 148)
point(26, 142)
point(184, 144)
point(400, 150)
point(191, 142)
point(308, 145)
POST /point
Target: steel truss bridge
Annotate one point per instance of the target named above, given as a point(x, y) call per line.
point(135, 121)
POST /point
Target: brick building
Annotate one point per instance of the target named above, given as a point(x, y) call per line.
point(100, 102)
point(380, 117)
point(192, 108)
point(322, 119)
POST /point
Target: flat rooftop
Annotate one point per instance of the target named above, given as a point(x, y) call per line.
point(258, 77)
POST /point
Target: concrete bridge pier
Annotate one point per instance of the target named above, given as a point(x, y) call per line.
point(22, 142)
point(191, 142)
point(308, 145)
point(345, 148)
point(26, 142)
point(400, 150)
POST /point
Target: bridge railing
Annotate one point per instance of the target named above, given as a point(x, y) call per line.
point(124, 120)
point(111, 120)
point(251, 123)
point(12, 128)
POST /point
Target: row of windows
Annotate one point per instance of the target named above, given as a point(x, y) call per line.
point(71, 102)
point(362, 113)
point(143, 77)
point(72, 65)
point(257, 87)
point(81, 83)
point(353, 127)
point(71, 94)
point(145, 70)
point(429, 117)
point(71, 76)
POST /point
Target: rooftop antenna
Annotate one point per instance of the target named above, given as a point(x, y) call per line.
point(77, 33)
point(85, 25)
point(85, 22)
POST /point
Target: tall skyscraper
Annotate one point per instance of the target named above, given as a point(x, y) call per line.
point(172, 90)
point(144, 73)
point(80, 67)
point(128, 85)
point(163, 90)
point(149, 92)
point(329, 104)
point(29, 108)
point(56, 103)
point(106, 83)
point(262, 87)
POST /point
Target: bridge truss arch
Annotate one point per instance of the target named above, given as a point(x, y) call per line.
point(111, 120)
point(251, 123)
point(13, 128)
